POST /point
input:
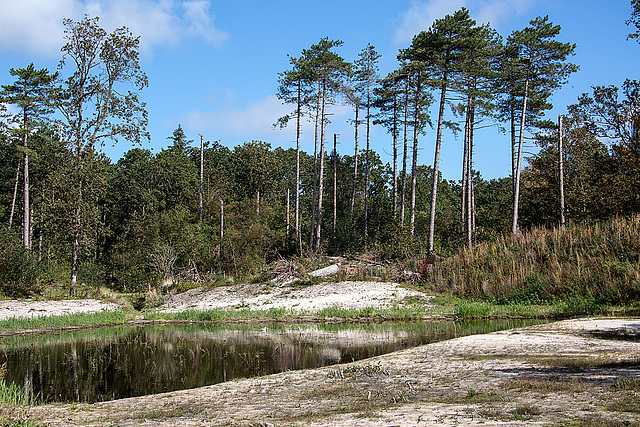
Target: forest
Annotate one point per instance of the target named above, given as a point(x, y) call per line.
point(199, 209)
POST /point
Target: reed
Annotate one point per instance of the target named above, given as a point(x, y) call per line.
point(582, 266)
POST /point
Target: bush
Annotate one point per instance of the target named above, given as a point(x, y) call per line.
point(18, 270)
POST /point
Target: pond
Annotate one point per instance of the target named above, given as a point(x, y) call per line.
point(116, 362)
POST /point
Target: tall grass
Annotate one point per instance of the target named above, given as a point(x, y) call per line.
point(582, 265)
point(76, 319)
point(13, 395)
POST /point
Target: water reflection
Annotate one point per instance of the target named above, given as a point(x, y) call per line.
point(112, 363)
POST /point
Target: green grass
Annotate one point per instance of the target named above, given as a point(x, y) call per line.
point(413, 312)
point(13, 395)
point(55, 322)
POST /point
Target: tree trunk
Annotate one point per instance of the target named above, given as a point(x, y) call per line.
point(315, 173)
point(470, 192)
point(26, 218)
point(221, 228)
point(298, 114)
point(513, 147)
point(561, 161)
point(40, 227)
point(201, 178)
point(395, 151)
point(335, 183)
point(15, 196)
point(321, 172)
point(405, 149)
point(414, 164)
point(366, 170)
point(436, 166)
point(516, 195)
point(355, 163)
point(465, 163)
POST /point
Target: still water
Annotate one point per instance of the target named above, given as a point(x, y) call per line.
point(117, 362)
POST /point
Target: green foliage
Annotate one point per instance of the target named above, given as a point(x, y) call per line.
point(18, 269)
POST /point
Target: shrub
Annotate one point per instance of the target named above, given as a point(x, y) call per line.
point(18, 270)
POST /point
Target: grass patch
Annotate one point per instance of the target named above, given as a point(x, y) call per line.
point(18, 423)
point(13, 395)
point(522, 413)
point(596, 422)
point(585, 362)
point(628, 403)
point(76, 319)
point(217, 315)
point(549, 385)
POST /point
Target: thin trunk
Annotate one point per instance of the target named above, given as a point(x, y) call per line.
point(561, 160)
point(298, 114)
point(404, 153)
point(513, 147)
point(258, 202)
point(288, 214)
point(414, 165)
point(321, 173)
point(15, 196)
point(315, 173)
point(335, 183)
point(367, 170)
point(395, 151)
point(436, 167)
point(201, 177)
point(516, 196)
point(74, 255)
point(221, 228)
point(40, 227)
point(470, 195)
point(465, 162)
point(26, 218)
point(355, 164)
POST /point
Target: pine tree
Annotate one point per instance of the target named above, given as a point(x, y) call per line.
point(327, 69)
point(539, 63)
point(32, 95)
point(294, 88)
point(366, 76)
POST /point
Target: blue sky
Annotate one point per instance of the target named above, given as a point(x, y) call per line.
point(213, 65)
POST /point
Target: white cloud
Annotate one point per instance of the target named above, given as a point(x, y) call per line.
point(423, 13)
point(200, 22)
point(256, 121)
point(35, 26)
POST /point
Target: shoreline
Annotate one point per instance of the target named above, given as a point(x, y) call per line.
point(550, 374)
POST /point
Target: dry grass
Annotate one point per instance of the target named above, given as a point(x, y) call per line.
point(597, 264)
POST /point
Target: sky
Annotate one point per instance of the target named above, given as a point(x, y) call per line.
point(213, 65)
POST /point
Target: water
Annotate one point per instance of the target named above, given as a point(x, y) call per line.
point(116, 362)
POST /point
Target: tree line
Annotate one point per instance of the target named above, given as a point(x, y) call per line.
point(67, 211)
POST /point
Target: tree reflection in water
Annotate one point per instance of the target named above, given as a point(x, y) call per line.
point(117, 362)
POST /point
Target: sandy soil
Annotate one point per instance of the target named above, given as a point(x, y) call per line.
point(24, 309)
point(315, 297)
point(555, 374)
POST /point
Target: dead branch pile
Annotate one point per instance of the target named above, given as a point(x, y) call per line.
point(285, 272)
